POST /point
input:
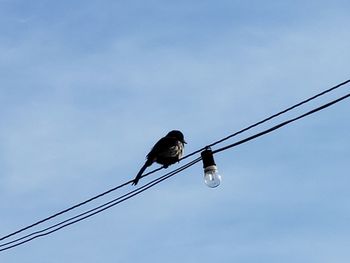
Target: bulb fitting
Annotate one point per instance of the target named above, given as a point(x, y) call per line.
point(207, 158)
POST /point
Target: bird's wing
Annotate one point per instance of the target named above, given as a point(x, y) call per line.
point(162, 147)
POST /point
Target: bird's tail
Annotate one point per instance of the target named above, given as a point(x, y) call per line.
point(139, 174)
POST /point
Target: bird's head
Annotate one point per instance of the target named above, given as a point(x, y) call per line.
point(177, 134)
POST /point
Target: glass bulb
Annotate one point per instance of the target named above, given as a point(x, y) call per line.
point(211, 176)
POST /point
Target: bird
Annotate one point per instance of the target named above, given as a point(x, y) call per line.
point(167, 151)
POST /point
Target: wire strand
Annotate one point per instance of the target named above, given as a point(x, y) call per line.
point(270, 117)
point(282, 124)
point(74, 206)
point(139, 190)
point(191, 154)
point(98, 209)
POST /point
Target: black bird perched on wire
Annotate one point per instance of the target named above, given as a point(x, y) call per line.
point(168, 150)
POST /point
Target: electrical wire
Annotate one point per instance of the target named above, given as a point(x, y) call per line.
point(97, 210)
point(270, 117)
point(74, 206)
point(282, 124)
point(139, 190)
point(191, 154)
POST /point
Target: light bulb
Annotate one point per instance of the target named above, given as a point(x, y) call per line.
point(211, 176)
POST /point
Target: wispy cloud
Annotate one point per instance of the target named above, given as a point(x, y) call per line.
point(87, 89)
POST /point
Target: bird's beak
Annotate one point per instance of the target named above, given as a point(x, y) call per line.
point(184, 142)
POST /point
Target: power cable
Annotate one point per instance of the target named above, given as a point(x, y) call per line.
point(139, 190)
point(97, 210)
point(210, 145)
point(74, 206)
point(282, 124)
point(269, 118)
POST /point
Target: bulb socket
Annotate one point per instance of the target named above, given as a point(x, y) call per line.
point(207, 158)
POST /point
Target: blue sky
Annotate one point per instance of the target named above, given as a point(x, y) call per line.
point(87, 87)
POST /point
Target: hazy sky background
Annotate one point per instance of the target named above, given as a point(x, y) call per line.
point(87, 87)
